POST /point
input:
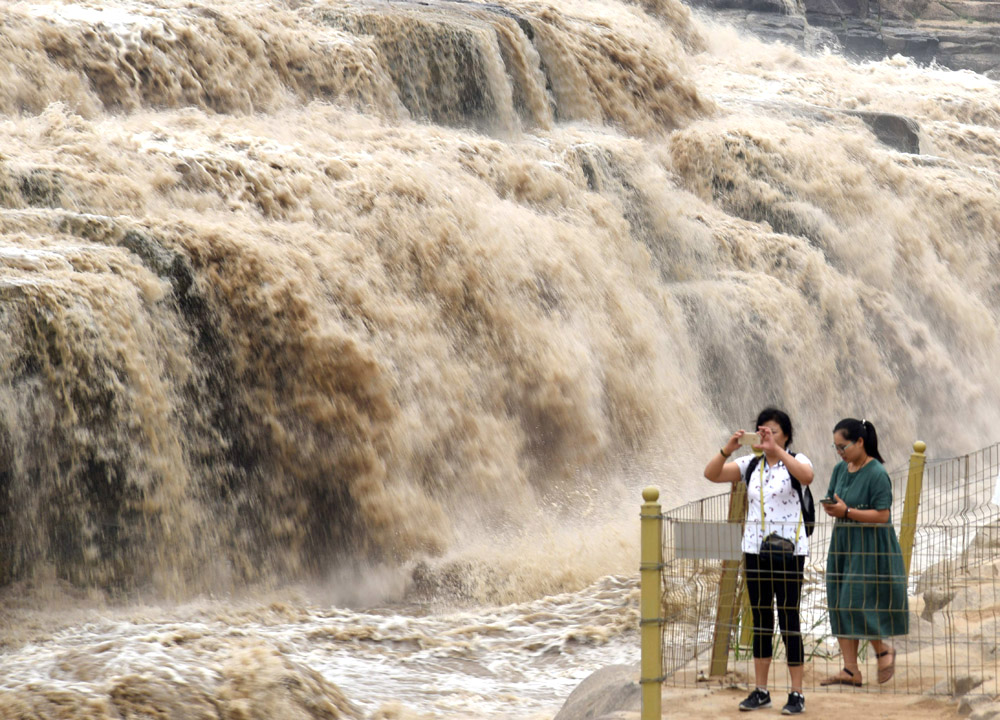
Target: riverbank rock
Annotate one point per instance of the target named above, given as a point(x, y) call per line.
point(896, 131)
point(604, 694)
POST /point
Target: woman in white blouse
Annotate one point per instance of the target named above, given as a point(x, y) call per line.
point(774, 572)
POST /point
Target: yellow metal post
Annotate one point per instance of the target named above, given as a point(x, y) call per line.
point(650, 611)
point(914, 484)
point(729, 600)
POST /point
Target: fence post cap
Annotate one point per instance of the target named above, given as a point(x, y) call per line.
point(651, 494)
point(919, 446)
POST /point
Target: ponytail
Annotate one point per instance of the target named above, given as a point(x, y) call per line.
point(861, 430)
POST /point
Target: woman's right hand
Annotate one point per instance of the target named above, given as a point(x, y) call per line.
point(733, 444)
point(718, 468)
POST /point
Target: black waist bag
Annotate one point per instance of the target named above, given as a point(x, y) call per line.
point(774, 544)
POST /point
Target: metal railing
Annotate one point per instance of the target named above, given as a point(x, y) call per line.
point(696, 618)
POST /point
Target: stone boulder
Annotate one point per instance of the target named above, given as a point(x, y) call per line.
point(896, 131)
point(605, 693)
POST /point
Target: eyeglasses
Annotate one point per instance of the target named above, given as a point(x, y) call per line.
point(841, 448)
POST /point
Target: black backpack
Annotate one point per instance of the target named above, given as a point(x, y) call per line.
point(805, 496)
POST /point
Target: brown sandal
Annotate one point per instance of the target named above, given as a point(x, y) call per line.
point(885, 673)
point(839, 679)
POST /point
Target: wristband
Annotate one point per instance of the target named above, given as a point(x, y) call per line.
point(724, 454)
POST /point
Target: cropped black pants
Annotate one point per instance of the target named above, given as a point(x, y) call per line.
point(776, 579)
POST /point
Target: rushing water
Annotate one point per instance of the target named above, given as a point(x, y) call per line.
point(293, 659)
point(391, 306)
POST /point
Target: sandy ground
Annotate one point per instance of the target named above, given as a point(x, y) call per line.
point(844, 704)
point(916, 692)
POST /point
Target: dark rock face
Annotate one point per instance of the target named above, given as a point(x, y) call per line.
point(788, 29)
point(961, 35)
point(792, 30)
point(833, 12)
point(921, 45)
point(777, 7)
point(862, 38)
point(974, 47)
point(896, 131)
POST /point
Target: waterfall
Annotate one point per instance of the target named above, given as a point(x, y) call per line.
point(293, 284)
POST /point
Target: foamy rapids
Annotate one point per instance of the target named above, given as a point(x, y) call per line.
point(338, 338)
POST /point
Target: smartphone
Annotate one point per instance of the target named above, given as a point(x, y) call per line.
point(828, 501)
point(750, 439)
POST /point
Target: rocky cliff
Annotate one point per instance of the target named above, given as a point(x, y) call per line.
point(964, 34)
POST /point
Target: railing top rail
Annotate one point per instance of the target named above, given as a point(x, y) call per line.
point(955, 488)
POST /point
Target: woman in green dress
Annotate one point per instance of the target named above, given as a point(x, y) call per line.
point(865, 576)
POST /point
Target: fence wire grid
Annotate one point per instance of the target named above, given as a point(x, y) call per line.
point(953, 615)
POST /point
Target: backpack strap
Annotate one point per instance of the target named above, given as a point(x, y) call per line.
point(753, 466)
point(797, 486)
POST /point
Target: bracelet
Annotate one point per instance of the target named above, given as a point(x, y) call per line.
point(724, 454)
point(847, 511)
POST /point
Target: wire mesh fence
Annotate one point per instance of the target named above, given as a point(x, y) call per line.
point(943, 596)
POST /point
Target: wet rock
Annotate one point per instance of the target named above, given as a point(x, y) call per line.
point(788, 29)
point(34, 188)
point(862, 38)
point(778, 7)
point(837, 13)
point(969, 46)
point(610, 690)
point(919, 44)
point(961, 35)
point(165, 263)
point(896, 131)
point(40, 188)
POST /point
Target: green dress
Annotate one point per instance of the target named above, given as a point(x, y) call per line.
point(865, 577)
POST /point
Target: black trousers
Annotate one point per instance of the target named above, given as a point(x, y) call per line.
point(770, 579)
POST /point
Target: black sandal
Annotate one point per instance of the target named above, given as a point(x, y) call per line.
point(885, 674)
point(839, 679)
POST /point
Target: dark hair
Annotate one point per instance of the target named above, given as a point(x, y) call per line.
point(780, 417)
point(863, 430)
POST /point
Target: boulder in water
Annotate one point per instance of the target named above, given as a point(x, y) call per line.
point(896, 131)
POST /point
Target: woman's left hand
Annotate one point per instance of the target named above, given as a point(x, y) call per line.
point(837, 509)
point(767, 443)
